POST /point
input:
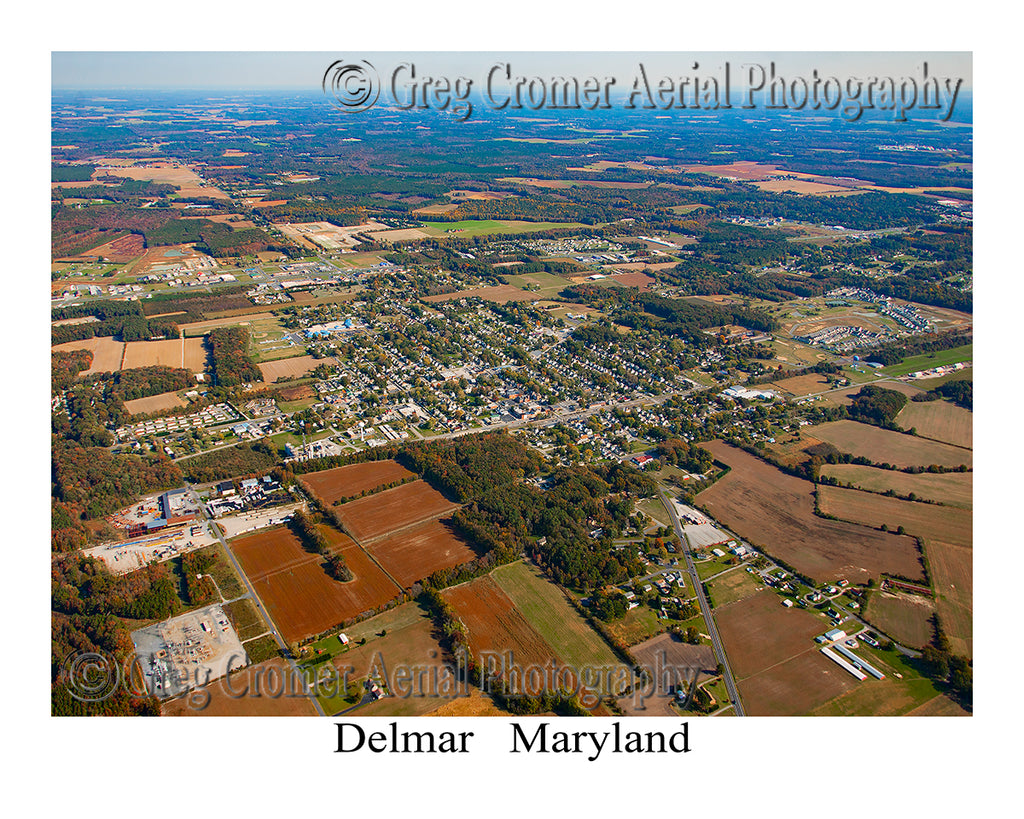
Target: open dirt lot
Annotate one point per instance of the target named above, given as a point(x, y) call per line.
point(386, 512)
point(924, 520)
point(952, 488)
point(189, 353)
point(417, 553)
point(952, 569)
point(939, 420)
point(904, 617)
point(154, 403)
point(263, 690)
point(775, 511)
point(884, 446)
point(106, 353)
point(299, 595)
point(349, 481)
point(797, 686)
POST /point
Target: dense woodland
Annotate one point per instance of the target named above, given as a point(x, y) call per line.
point(229, 357)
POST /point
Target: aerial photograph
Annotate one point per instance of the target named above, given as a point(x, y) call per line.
point(522, 384)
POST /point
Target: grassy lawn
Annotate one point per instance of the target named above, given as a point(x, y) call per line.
point(638, 625)
point(706, 568)
point(929, 360)
point(547, 284)
point(729, 588)
point(479, 227)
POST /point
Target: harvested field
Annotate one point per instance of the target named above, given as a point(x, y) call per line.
point(666, 651)
point(290, 367)
point(416, 553)
point(802, 384)
point(349, 481)
point(939, 420)
point(264, 690)
point(775, 511)
point(387, 512)
point(164, 172)
point(904, 617)
point(799, 186)
point(952, 570)
point(952, 488)
point(924, 520)
point(106, 353)
point(501, 294)
point(884, 446)
point(118, 251)
point(299, 595)
point(477, 704)
point(546, 609)
point(496, 626)
point(732, 586)
point(154, 403)
point(759, 632)
point(189, 353)
point(796, 687)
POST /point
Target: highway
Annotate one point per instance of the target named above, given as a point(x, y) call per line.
point(705, 607)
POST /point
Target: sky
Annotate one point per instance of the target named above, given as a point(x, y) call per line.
point(240, 70)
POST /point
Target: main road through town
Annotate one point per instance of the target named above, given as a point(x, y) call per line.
point(705, 608)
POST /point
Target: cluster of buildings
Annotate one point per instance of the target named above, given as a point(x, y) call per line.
point(209, 416)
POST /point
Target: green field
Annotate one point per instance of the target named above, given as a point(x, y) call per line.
point(706, 568)
point(929, 360)
point(728, 588)
point(952, 488)
point(638, 625)
point(480, 227)
point(547, 284)
point(575, 643)
point(245, 619)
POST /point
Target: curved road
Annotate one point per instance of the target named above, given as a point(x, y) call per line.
point(705, 607)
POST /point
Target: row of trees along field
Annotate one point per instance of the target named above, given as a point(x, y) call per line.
point(229, 352)
point(124, 319)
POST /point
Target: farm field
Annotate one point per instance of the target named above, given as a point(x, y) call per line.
point(106, 353)
point(162, 171)
point(189, 353)
point(772, 652)
point(939, 420)
point(542, 285)
point(952, 569)
point(544, 606)
point(885, 446)
point(802, 384)
point(924, 520)
point(951, 488)
point(349, 481)
point(481, 227)
point(154, 403)
point(477, 704)
point(417, 553)
point(673, 663)
point(940, 706)
point(775, 511)
point(399, 639)
point(294, 367)
point(393, 509)
point(929, 361)
point(732, 586)
point(263, 690)
point(904, 617)
point(496, 626)
point(299, 595)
